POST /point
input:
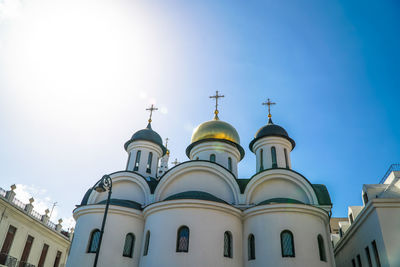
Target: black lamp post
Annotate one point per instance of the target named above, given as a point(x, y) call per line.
point(102, 186)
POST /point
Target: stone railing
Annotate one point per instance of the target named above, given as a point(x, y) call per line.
point(9, 196)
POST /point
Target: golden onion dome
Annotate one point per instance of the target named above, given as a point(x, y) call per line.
point(215, 129)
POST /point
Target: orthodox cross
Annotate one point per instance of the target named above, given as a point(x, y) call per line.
point(151, 109)
point(216, 96)
point(176, 162)
point(269, 104)
point(166, 142)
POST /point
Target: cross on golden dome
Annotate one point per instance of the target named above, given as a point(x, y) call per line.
point(216, 96)
point(269, 104)
point(151, 109)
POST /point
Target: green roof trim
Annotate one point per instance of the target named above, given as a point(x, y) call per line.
point(280, 200)
point(242, 184)
point(123, 203)
point(322, 194)
point(196, 195)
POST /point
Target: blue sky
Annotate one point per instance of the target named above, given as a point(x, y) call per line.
point(76, 77)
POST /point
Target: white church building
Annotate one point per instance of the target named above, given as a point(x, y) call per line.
point(199, 214)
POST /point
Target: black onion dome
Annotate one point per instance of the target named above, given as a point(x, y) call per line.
point(271, 129)
point(147, 134)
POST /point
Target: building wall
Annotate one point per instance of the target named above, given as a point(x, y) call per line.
point(26, 225)
point(266, 223)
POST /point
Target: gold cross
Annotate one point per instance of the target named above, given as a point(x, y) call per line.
point(151, 109)
point(166, 142)
point(269, 104)
point(176, 162)
point(216, 96)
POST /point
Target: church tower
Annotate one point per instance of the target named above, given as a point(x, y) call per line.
point(272, 145)
point(145, 148)
point(216, 141)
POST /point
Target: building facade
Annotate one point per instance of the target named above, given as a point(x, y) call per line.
point(371, 235)
point(199, 213)
point(27, 238)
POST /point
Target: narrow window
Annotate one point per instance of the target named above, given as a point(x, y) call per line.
point(287, 244)
point(351, 218)
point(376, 254)
point(340, 232)
point(128, 246)
point(182, 240)
point(94, 241)
point(261, 160)
point(286, 158)
point(368, 256)
point(229, 164)
point(365, 198)
point(251, 247)
point(5, 249)
point(149, 160)
point(228, 244)
point(353, 263)
point(321, 248)
point(212, 157)
point(273, 156)
point(146, 244)
point(57, 260)
point(129, 159)
point(26, 251)
point(43, 255)
point(359, 260)
point(136, 168)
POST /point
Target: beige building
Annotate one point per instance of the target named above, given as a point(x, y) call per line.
point(370, 236)
point(27, 238)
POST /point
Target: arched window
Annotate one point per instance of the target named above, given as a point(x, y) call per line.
point(212, 157)
point(261, 159)
point(287, 244)
point(129, 244)
point(149, 160)
point(94, 241)
point(228, 244)
point(273, 156)
point(251, 247)
point(229, 164)
point(182, 240)
point(286, 158)
point(146, 244)
point(137, 160)
point(321, 248)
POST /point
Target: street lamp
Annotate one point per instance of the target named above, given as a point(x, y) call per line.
point(102, 186)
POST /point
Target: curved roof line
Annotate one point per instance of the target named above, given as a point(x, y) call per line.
point(280, 200)
point(201, 195)
point(239, 147)
point(123, 203)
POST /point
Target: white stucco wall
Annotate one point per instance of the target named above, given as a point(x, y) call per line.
point(207, 222)
point(265, 144)
point(267, 222)
point(120, 221)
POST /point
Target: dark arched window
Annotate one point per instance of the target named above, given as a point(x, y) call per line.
point(228, 244)
point(261, 159)
point(128, 246)
point(287, 244)
point(137, 160)
point(229, 164)
point(146, 244)
point(321, 248)
point(273, 156)
point(251, 247)
point(286, 158)
point(212, 157)
point(149, 160)
point(94, 241)
point(182, 240)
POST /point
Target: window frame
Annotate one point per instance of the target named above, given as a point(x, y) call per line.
point(251, 247)
point(132, 245)
point(321, 248)
point(261, 159)
point(228, 245)
point(179, 235)
point(273, 157)
point(146, 244)
point(149, 162)
point(230, 164)
point(293, 253)
point(137, 160)
point(91, 237)
point(286, 158)
point(213, 158)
